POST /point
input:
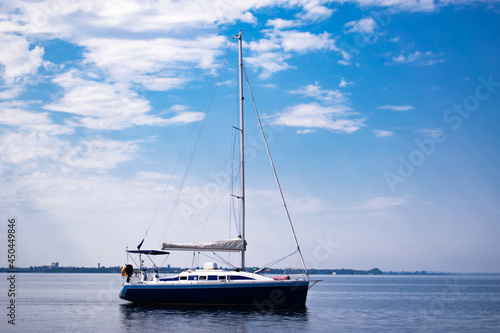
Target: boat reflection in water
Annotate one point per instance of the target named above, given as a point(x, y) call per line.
point(236, 319)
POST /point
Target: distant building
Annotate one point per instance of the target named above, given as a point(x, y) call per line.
point(98, 265)
point(54, 265)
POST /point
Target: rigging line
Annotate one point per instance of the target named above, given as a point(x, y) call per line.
point(209, 257)
point(237, 213)
point(232, 207)
point(234, 177)
point(224, 260)
point(154, 265)
point(277, 261)
point(163, 262)
point(213, 210)
point(231, 200)
point(233, 154)
point(219, 258)
point(276, 175)
point(133, 261)
point(232, 204)
point(176, 201)
point(172, 174)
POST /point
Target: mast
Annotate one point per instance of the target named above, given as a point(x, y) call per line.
point(242, 147)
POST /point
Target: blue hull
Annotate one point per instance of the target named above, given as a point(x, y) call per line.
point(263, 295)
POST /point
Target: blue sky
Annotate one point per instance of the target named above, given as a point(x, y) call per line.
point(382, 117)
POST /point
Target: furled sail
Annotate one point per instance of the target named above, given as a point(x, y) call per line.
point(236, 244)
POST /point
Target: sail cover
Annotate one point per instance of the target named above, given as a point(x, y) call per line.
point(235, 244)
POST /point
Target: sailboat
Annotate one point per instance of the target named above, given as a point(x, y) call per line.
point(211, 285)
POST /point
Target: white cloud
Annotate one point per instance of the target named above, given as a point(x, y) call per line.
point(271, 53)
point(346, 58)
point(117, 36)
point(14, 114)
point(82, 192)
point(102, 105)
point(396, 107)
point(152, 62)
point(366, 25)
point(36, 144)
point(27, 146)
point(264, 45)
point(73, 210)
point(60, 18)
point(300, 42)
point(344, 61)
point(305, 131)
point(409, 5)
point(178, 108)
point(343, 83)
point(333, 112)
point(269, 86)
point(184, 117)
point(309, 204)
point(282, 24)
point(148, 175)
point(270, 62)
point(106, 106)
point(315, 11)
point(383, 134)
point(99, 153)
point(156, 83)
point(11, 93)
point(315, 91)
point(36, 151)
point(313, 115)
point(380, 203)
point(247, 17)
point(420, 58)
point(128, 54)
point(17, 61)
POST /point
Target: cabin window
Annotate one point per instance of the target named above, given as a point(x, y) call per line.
point(183, 278)
point(203, 277)
point(222, 278)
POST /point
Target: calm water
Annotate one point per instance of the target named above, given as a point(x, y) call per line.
point(89, 302)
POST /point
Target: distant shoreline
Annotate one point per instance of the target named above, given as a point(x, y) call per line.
point(117, 269)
